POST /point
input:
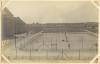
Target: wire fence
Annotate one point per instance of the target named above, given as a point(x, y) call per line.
point(52, 52)
point(62, 55)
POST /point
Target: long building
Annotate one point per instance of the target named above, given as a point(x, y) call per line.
point(11, 25)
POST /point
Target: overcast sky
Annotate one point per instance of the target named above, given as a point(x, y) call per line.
point(53, 11)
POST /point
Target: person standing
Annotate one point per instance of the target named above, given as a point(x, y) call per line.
point(69, 45)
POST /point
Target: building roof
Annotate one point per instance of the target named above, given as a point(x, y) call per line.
point(6, 12)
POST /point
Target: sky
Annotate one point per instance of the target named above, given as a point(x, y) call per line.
point(54, 11)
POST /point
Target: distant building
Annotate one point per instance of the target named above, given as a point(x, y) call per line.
point(92, 26)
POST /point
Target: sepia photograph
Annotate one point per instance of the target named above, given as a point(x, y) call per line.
point(49, 31)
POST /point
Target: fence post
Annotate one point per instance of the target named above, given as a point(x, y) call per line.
point(62, 52)
point(79, 54)
point(16, 46)
point(47, 54)
point(43, 42)
point(51, 43)
point(82, 42)
point(30, 53)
